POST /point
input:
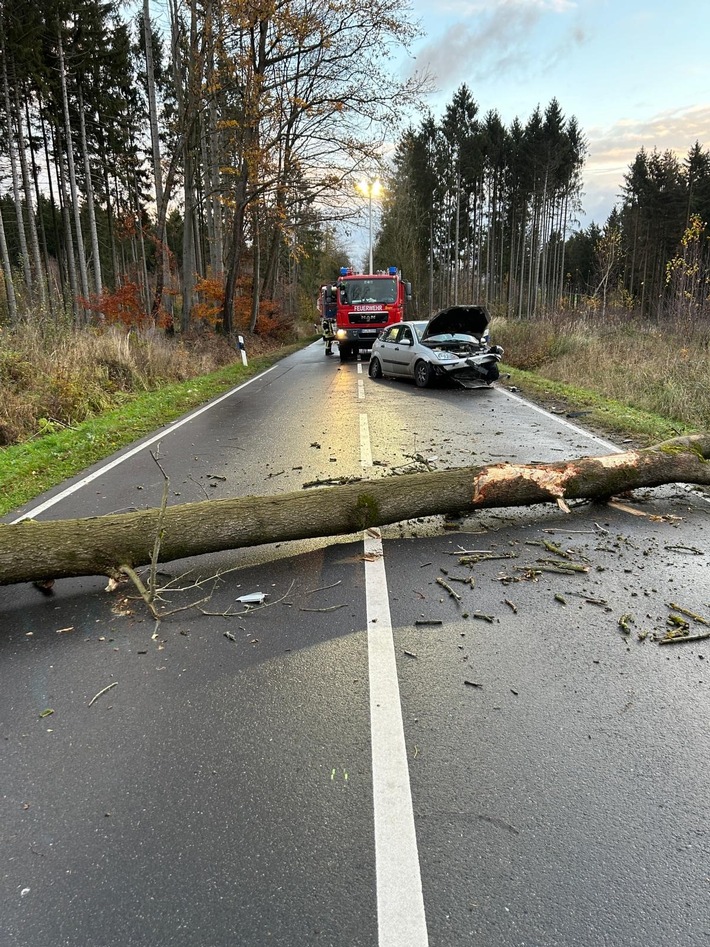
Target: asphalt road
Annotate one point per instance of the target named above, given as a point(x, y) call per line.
point(366, 759)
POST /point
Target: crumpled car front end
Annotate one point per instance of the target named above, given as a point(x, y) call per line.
point(459, 342)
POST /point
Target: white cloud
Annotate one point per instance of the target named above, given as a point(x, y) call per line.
point(613, 149)
point(498, 39)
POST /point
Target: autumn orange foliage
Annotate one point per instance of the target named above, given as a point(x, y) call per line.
point(124, 305)
point(209, 310)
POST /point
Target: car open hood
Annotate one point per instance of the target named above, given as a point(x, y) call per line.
point(470, 321)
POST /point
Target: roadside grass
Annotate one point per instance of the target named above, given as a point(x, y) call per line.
point(36, 465)
point(590, 409)
point(634, 379)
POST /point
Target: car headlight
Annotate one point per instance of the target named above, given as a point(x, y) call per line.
point(446, 356)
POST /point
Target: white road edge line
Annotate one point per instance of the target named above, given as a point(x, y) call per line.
point(135, 450)
point(401, 920)
point(614, 448)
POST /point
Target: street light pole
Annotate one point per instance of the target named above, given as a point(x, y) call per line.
point(370, 196)
point(370, 189)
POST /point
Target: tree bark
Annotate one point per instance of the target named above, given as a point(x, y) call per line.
point(33, 551)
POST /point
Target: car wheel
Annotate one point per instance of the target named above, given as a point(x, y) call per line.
point(423, 374)
point(374, 369)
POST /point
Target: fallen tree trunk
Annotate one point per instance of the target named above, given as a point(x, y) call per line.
point(41, 550)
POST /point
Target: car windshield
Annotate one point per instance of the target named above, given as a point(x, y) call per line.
point(419, 328)
point(381, 290)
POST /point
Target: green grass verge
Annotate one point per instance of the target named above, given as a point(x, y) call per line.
point(605, 415)
point(27, 470)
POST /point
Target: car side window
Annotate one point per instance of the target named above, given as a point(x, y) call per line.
point(406, 334)
point(392, 335)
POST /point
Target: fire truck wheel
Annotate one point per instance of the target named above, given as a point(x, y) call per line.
point(344, 352)
point(374, 369)
point(422, 374)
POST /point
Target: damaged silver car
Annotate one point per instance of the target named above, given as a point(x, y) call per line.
point(454, 344)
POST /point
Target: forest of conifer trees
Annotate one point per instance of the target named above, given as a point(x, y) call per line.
point(185, 163)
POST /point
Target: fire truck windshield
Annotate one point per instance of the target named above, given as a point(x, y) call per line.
point(356, 291)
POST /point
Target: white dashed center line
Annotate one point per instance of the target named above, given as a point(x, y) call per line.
point(401, 919)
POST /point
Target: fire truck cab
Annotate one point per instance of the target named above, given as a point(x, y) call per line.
point(365, 304)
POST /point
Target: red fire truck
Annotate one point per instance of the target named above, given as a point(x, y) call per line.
point(360, 306)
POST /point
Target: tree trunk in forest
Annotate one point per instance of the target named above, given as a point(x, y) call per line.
point(89, 192)
point(30, 184)
point(162, 254)
point(12, 151)
point(68, 238)
point(32, 550)
point(235, 254)
point(7, 275)
point(73, 188)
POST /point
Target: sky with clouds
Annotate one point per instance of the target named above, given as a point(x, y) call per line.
point(634, 73)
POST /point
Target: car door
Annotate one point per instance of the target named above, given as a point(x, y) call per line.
point(405, 355)
point(387, 350)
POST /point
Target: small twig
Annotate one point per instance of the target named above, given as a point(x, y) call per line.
point(445, 585)
point(557, 568)
point(330, 608)
point(677, 639)
point(142, 590)
point(201, 486)
point(184, 608)
point(580, 532)
point(596, 601)
point(510, 605)
point(685, 611)
point(489, 618)
point(96, 696)
point(469, 552)
point(323, 588)
point(159, 531)
point(554, 548)
point(564, 566)
point(464, 579)
point(470, 559)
